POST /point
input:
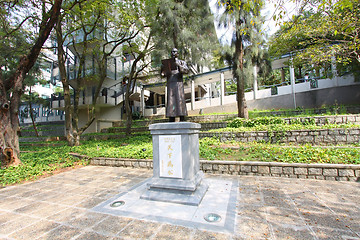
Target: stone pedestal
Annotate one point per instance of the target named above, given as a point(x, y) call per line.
point(176, 168)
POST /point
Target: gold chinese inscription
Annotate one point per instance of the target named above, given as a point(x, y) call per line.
point(170, 155)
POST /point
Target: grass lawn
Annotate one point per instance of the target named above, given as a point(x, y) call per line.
point(37, 162)
point(213, 149)
point(47, 159)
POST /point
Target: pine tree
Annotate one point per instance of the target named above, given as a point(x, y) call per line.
point(187, 25)
point(247, 43)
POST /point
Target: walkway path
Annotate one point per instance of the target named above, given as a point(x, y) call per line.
point(59, 207)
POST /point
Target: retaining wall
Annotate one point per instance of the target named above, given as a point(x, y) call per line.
point(43, 129)
point(355, 109)
point(332, 119)
point(335, 172)
point(200, 118)
point(207, 125)
point(58, 131)
point(319, 121)
point(210, 118)
point(315, 137)
point(41, 139)
point(123, 130)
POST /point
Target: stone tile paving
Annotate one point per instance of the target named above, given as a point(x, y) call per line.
point(59, 207)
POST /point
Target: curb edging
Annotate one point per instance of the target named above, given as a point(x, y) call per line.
point(333, 172)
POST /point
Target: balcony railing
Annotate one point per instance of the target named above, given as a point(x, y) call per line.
point(116, 69)
point(109, 96)
point(79, 37)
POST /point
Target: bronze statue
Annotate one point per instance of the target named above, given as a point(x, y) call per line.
point(174, 69)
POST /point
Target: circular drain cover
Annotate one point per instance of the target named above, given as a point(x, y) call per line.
point(212, 217)
point(117, 204)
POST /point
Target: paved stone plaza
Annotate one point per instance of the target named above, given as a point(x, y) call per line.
point(61, 207)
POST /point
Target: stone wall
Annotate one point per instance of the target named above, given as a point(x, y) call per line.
point(331, 119)
point(352, 109)
point(335, 172)
point(44, 129)
point(144, 123)
point(212, 125)
point(218, 121)
point(41, 139)
point(211, 118)
point(44, 133)
point(315, 137)
point(122, 162)
point(123, 130)
point(319, 121)
point(200, 118)
point(322, 120)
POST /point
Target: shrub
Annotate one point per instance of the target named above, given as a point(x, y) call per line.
point(264, 121)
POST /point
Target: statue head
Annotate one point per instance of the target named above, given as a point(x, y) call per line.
point(174, 53)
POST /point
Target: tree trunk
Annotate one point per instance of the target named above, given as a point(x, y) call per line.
point(9, 138)
point(239, 76)
point(75, 116)
point(9, 142)
point(13, 86)
point(241, 100)
point(68, 114)
point(32, 113)
point(32, 119)
point(76, 138)
point(9, 123)
point(66, 87)
point(128, 112)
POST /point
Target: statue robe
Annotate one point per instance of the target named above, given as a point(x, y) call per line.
point(173, 69)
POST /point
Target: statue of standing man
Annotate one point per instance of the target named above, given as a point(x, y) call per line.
point(174, 69)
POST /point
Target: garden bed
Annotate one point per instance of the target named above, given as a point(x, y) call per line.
point(263, 158)
point(315, 137)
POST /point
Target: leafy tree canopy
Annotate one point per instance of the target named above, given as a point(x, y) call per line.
point(16, 18)
point(247, 48)
point(187, 25)
point(330, 28)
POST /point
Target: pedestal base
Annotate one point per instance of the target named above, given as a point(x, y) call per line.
point(176, 183)
point(177, 177)
point(185, 197)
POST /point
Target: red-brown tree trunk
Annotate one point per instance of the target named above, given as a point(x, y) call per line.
point(11, 90)
point(9, 130)
point(9, 141)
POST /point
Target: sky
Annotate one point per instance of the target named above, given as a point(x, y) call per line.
point(224, 34)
